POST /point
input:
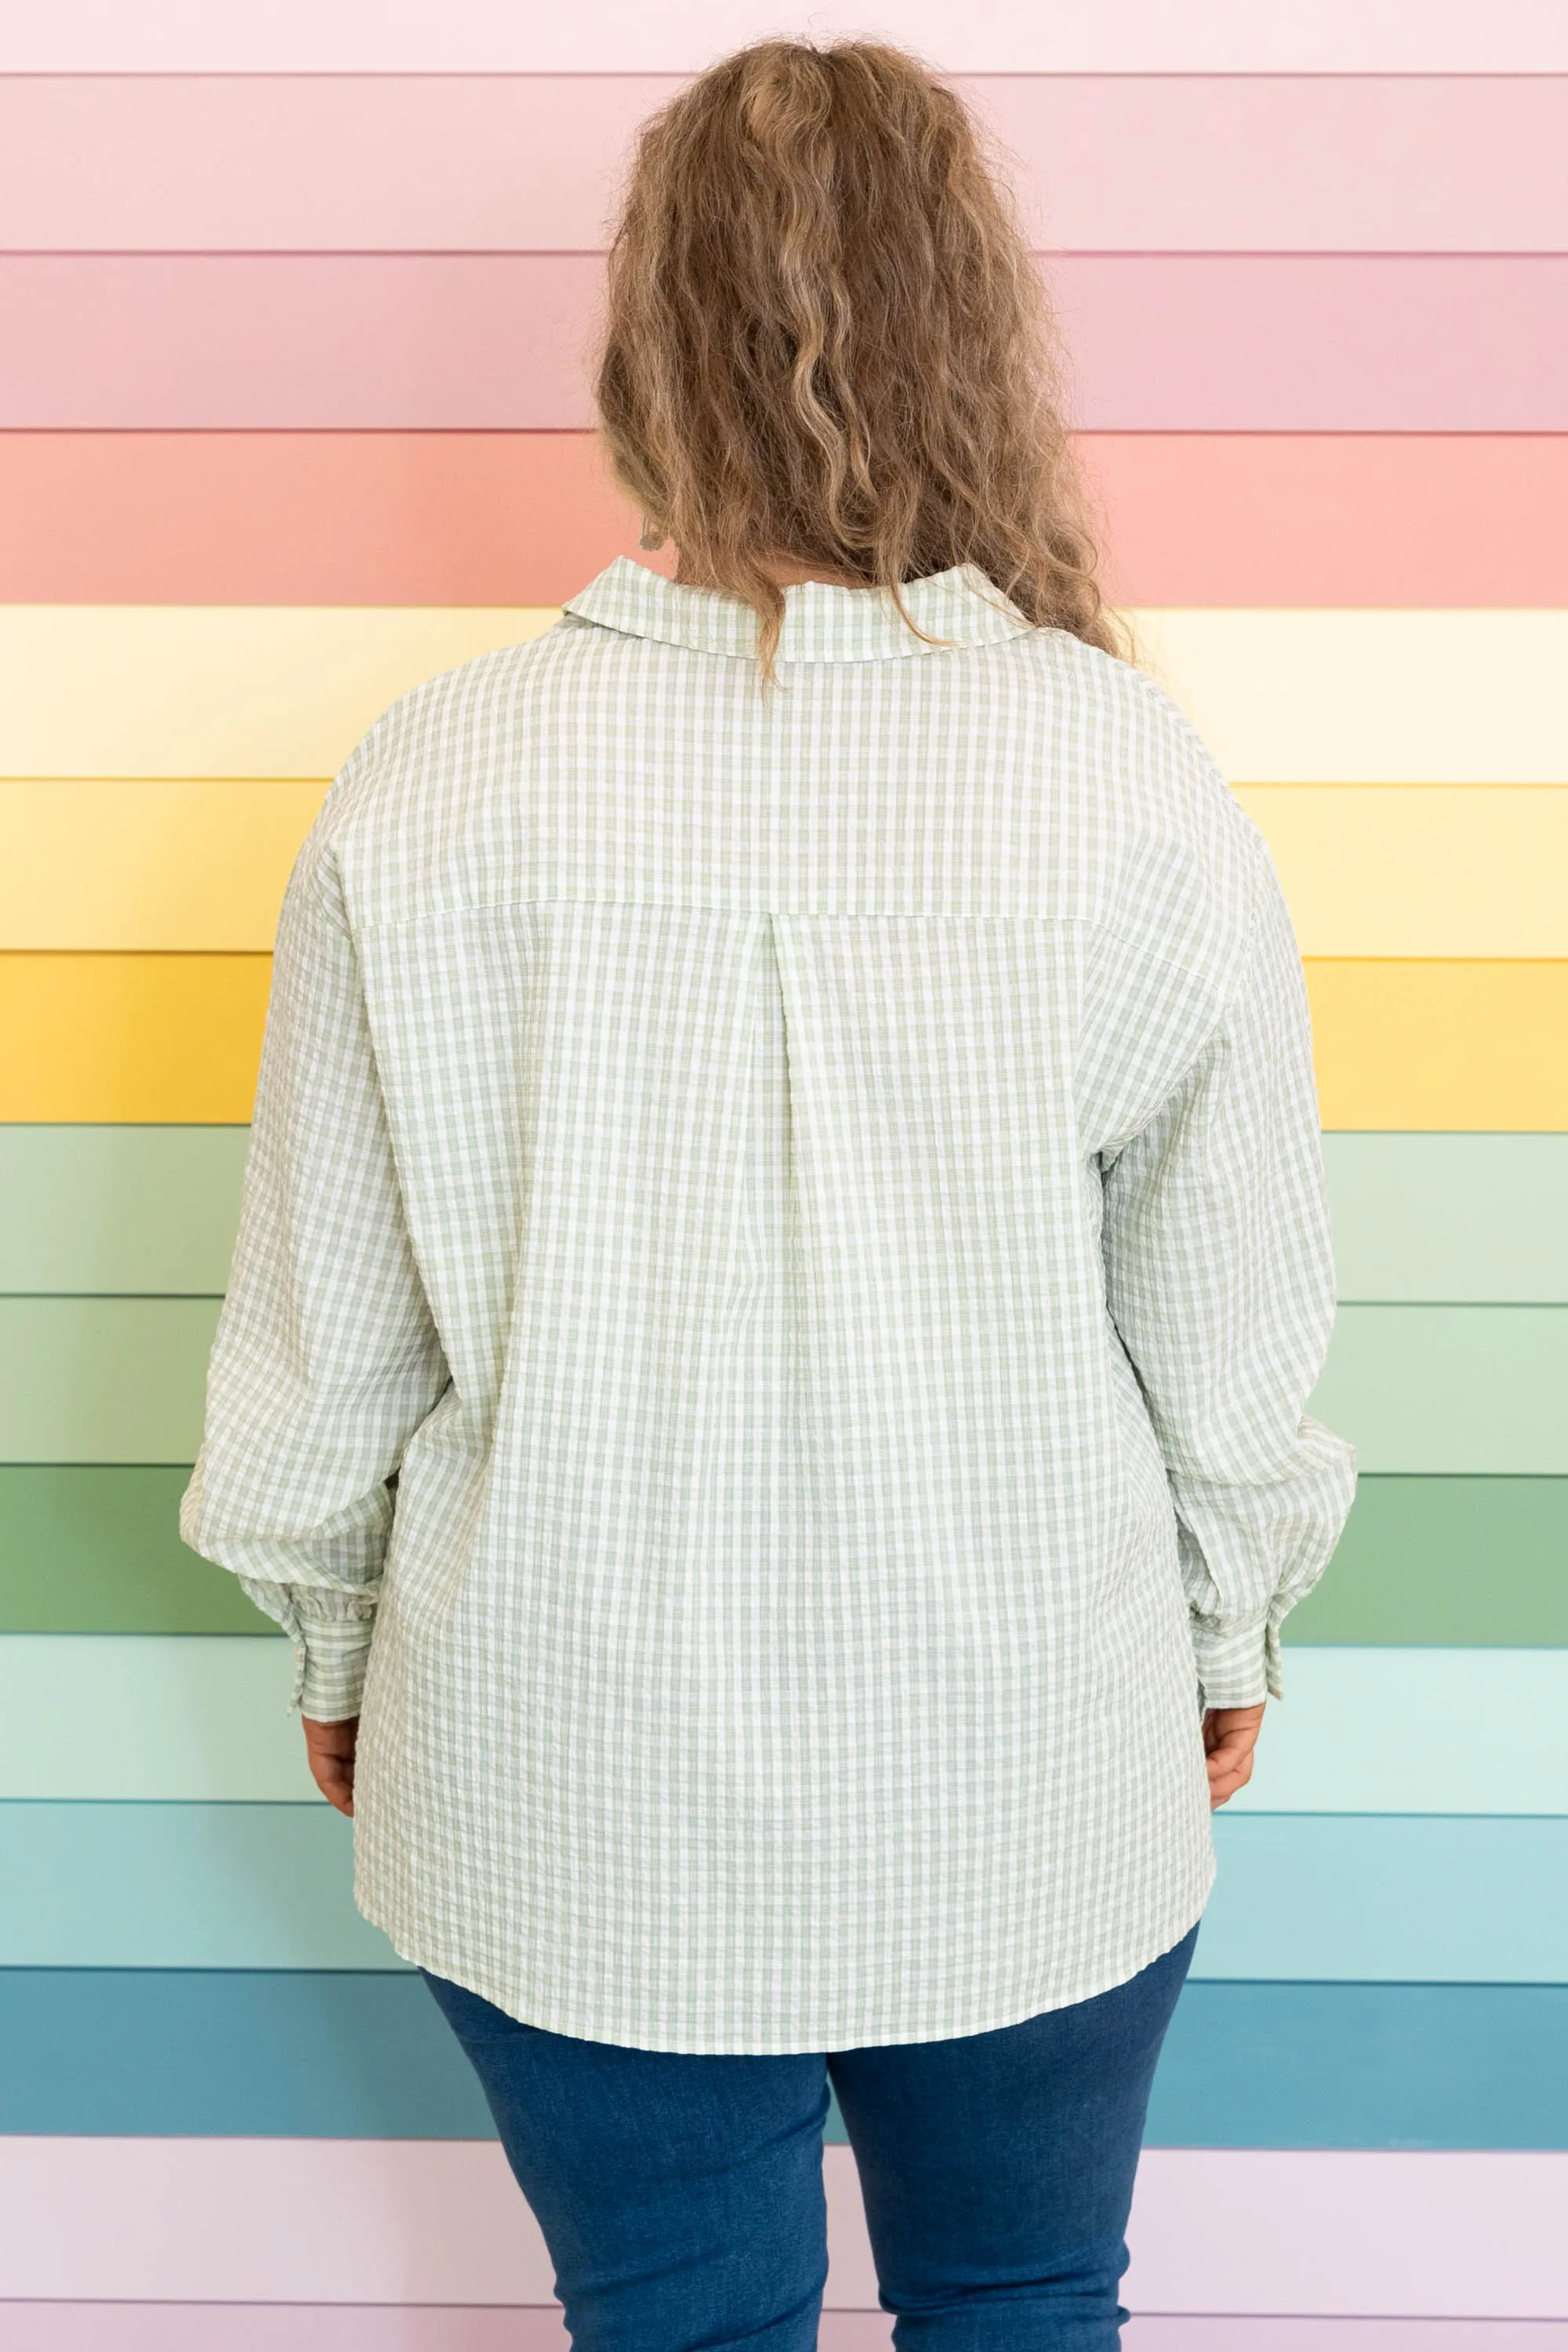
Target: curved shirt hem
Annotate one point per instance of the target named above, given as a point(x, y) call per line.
point(585, 2025)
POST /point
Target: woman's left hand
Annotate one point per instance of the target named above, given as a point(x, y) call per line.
point(1230, 1735)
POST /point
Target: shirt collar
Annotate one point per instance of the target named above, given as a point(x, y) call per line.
point(822, 623)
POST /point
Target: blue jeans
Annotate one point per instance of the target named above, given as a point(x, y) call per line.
point(681, 2199)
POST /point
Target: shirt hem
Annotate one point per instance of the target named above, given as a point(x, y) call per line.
point(577, 2023)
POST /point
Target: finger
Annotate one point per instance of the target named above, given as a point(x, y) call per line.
point(332, 1738)
point(335, 1784)
point(338, 1794)
point(1226, 1784)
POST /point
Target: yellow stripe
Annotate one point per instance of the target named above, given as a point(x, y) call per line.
point(179, 865)
point(194, 865)
point(131, 1036)
point(1283, 697)
point(1417, 871)
point(1427, 1044)
point(1400, 1044)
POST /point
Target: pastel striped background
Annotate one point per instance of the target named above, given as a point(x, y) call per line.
point(294, 412)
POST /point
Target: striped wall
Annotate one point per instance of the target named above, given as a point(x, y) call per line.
point(294, 412)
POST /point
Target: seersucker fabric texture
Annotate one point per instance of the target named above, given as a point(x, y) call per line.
point(783, 1256)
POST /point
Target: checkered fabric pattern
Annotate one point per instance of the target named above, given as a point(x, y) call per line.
point(782, 1254)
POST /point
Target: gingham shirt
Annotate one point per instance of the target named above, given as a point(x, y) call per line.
point(810, 1206)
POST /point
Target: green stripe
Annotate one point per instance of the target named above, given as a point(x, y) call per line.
point(1462, 1563)
point(104, 1379)
point(119, 1208)
point(1465, 1389)
point(152, 1208)
point(90, 1548)
point(1450, 1217)
point(203, 1718)
point(1466, 1562)
point(1472, 1389)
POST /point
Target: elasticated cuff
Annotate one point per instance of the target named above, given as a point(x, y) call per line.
point(331, 1628)
point(330, 1683)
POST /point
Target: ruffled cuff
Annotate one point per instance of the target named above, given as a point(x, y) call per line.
point(337, 1652)
point(1237, 1667)
point(331, 1634)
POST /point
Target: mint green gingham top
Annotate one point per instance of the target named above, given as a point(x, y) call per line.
point(782, 1252)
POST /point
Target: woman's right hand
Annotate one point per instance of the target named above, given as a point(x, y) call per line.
point(1230, 1735)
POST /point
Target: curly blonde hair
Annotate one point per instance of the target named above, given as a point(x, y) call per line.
point(826, 341)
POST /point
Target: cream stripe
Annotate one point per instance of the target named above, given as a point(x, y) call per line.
point(1461, 871)
point(190, 863)
point(219, 689)
point(1324, 698)
point(1282, 696)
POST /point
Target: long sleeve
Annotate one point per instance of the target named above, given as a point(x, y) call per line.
point(325, 1358)
point(1220, 1281)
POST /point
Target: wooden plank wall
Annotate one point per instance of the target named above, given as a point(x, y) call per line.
point(295, 412)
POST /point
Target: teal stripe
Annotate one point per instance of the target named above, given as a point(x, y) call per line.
point(119, 1208)
point(1421, 1218)
point(1357, 2065)
point(182, 1886)
point(1473, 1388)
point(1470, 1389)
point(1372, 1731)
point(341, 2056)
point(192, 1719)
point(1450, 1217)
point(1338, 1897)
point(1379, 1897)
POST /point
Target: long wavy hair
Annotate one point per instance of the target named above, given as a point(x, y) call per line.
point(826, 341)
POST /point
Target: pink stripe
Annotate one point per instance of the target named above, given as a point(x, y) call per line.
point(493, 36)
point(456, 2327)
point(1350, 2233)
point(312, 518)
point(1106, 164)
point(526, 518)
point(277, 2327)
point(1345, 2336)
point(340, 2327)
point(364, 341)
point(518, 165)
point(1243, 343)
point(1226, 343)
point(1333, 519)
point(1346, 2234)
point(1178, 163)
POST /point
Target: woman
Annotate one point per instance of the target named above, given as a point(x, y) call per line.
point(786, 1136)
